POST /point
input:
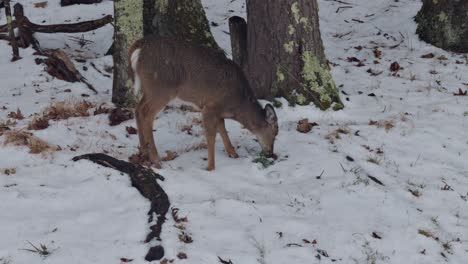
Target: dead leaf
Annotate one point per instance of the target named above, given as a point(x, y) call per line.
point(303, 126)
point(16, 115)
point(394, 67)
point(119, 115)
point(40, 4)
point(182, 255)
point(377, 53)
point(126, 260)
point(170, 155)
point(131, 130)
point(428, 56)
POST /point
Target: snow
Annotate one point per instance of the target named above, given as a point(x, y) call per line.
point(85, 213)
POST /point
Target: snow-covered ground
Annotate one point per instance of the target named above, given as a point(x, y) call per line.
point(319, 203)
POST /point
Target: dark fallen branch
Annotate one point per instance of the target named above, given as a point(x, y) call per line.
point(73, 27)
point(145, 180)
point(4, 37)
point(4, 28)
point(75, 2)
point(60, 66)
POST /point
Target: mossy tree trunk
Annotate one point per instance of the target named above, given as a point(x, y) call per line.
point(128, 28)
point(444, 24)
point(183, 19)
point(285, 55)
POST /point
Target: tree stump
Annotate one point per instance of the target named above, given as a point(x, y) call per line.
point(444, 24)
point(285, 53)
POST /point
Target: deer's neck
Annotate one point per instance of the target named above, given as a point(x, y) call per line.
point(249, 114)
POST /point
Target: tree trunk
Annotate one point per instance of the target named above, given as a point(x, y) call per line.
point(184, 19)
point(285, 53)
point(444, 23)
point(238, 30)
point(11, 32)
point(128, 15)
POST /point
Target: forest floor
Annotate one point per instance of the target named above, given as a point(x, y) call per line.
point(385, 180)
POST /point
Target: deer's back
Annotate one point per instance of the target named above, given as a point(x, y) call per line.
point(192, 73)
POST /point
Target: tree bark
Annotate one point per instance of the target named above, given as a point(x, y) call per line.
point(444, 24)
point(184, 19)
point(238, 31)
point(285, 53)
point(128, 28)
point(14, 45)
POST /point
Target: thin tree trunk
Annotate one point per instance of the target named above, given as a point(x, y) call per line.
point(238, 30)
point(184, 19)
point(11, 32)
point(128, 28)
point(444, 23)
point(285, 53)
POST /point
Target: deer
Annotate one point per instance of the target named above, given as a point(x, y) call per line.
point(165, 69)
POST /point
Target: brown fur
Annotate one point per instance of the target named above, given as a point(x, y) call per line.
point(170, 68)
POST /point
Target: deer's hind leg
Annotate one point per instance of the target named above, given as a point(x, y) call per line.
point(227, 142)
point(146, 111)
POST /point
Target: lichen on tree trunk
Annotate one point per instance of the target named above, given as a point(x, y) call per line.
point(184, 19)
point(444, 23)
point(285, 53)
point(128, 28)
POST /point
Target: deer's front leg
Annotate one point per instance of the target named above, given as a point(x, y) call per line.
point(227, 142)
point(210, 123)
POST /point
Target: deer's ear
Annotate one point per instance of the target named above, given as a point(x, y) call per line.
point(270, 115)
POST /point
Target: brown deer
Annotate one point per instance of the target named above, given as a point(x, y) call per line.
point(164, 69)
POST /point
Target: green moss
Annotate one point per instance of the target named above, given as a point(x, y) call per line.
point(264, 161)
point(129, 20)
point(295, 12)
point(277, 104)
point(161, 5)
point(291, 30)
point(319, 80)
point(337, 106)
point(289, 47)
point(279, 74)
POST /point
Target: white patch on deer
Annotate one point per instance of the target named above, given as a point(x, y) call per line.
point(137, 83)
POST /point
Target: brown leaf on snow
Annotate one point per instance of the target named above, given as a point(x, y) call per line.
point(170, 155)
point(377, 53)
point(131, 130)
point(126, 260)
point(119, 115)
point(303, 126)
point(182, 255)
point(35, 144)
point(428, 56)
point(394, 67)
point(16, 115)
point(40, 4)
point(38, 123)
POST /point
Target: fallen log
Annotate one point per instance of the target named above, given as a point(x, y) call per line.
point(60, 66)
point(145, 180)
